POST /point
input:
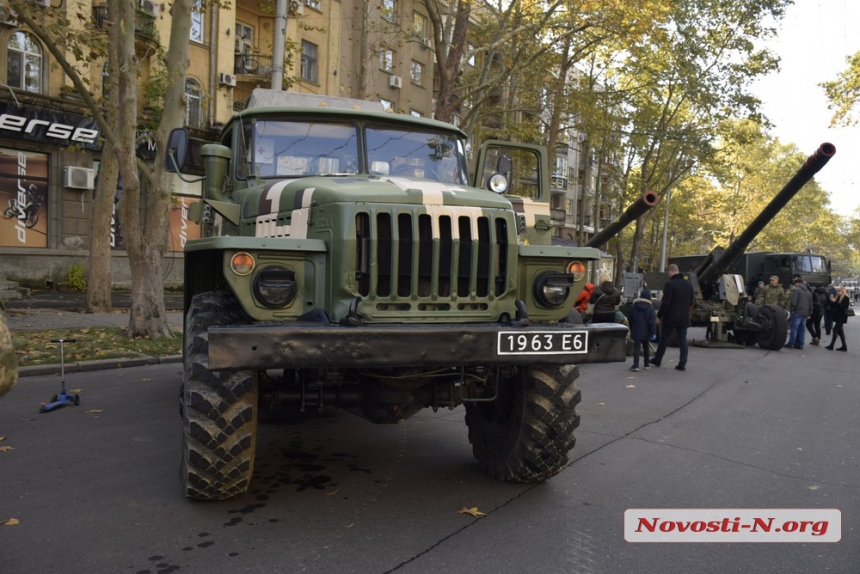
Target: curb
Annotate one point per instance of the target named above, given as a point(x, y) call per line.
point(98, 365)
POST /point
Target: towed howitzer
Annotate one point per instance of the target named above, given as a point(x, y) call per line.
point(721, 301)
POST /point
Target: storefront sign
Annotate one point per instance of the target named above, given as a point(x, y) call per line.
point(49, 127)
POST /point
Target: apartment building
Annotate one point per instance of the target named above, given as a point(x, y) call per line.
point(50, 147)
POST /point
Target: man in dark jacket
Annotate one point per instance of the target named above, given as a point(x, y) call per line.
point(674, 315)
point(800, 302)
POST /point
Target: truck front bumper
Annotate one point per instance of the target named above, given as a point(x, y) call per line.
point(324, 346)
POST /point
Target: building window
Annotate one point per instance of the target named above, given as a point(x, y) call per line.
point(24, 63)
point(416, 73)
point(388, 9)
point(244, 38)
point(386, 60)
point(419, 27)
point(309, 61)
point(194, 104)
point(197, 12)
point(315, 4)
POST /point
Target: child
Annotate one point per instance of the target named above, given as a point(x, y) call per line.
point(643, 327)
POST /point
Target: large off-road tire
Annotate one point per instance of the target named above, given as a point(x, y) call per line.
point(774, 327)
point(526, 433)
point(219, 408)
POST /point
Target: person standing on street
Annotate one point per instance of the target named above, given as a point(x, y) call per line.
point(819, 303)
point(773, 294)
point(839, 304)
point(801, 309)
point(828, 309)
point(642, 321)
point(674, 315)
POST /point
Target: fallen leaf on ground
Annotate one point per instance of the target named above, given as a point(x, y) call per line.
point(76, 391)
point(631, 386)
point(2, 438)
point(11, 522)
point(333, 492)
point(473, 511)
point(94, 411)
point(601, 404)
point(6, 448)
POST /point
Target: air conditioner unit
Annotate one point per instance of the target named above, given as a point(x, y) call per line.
point(297, 8)
point(228, 80)
point(395, 82)
point(149, 7)
point(78, 177)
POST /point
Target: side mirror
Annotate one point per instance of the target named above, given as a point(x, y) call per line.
point(177, 150)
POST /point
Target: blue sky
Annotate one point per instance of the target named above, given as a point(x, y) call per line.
point(815, 37)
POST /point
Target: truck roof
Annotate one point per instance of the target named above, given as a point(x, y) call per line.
point(264, 101)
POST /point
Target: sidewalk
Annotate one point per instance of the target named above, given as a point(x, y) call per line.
point(48, 310)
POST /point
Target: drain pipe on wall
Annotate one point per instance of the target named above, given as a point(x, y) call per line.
point(213, 62)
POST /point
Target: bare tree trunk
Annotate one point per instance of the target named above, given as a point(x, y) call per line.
point(98, 274)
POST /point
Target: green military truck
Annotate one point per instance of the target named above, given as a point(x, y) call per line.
point(348, 260)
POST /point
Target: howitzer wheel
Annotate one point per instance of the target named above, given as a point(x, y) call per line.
point(774, 331)
point(219, 408)
point(525, 434)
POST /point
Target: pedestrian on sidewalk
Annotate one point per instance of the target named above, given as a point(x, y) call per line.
point(819, 303)
point(674, 315)
point(839, 304)
point(800, 305)
point(642, 320)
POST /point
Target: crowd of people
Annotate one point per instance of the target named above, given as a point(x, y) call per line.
point(806, 306)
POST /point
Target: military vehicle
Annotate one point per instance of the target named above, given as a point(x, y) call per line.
point(347, 260)
point(722, 303)
point(813, 268)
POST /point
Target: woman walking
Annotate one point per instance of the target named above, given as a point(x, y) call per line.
point(839, 304)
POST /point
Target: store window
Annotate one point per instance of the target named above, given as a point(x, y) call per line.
point(24, 198)
point(24, 62)
point(194, 106)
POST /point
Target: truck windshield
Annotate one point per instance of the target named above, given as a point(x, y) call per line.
point(428, 155)
point(301, 149)
point(277, 149)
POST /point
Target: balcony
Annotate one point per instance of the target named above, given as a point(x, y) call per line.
point(252, 67)
point(145, 31)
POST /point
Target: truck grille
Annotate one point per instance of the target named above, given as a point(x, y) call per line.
point(452, 254)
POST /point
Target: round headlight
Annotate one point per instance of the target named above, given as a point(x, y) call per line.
point(242, 263)
point(550, 292)
point(275, 286)
point(499, 183)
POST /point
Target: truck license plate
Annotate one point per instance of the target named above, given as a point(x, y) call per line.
point(542, 342)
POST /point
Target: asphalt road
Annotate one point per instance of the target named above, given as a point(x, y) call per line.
point(95, 488)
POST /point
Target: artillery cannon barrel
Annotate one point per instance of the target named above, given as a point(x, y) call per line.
point(811, 166)
point(648, 200)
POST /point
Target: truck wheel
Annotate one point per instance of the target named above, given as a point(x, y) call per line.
point(774, 330)
point(220, 408)
point(526, 433)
